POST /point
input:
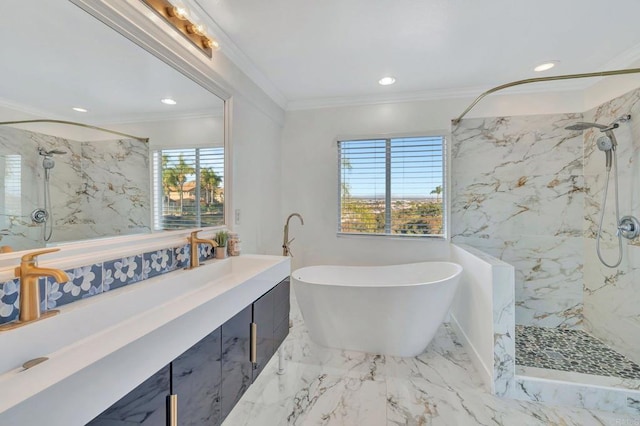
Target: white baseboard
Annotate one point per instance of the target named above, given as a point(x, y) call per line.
point(485, 371)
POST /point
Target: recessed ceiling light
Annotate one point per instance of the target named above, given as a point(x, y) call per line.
point(168, 101)
point(546, 66)
point(385, 81)
point(78, 109)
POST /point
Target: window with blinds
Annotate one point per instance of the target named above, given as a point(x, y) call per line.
point(392, 186)
point(11, 181)
point(188, 188)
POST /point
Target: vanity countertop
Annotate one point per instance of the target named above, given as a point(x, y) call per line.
point(102, 347)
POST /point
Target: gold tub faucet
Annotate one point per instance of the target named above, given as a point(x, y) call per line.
point(194, 241)
point(29, 272)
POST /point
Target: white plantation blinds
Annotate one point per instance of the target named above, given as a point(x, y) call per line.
point(188, 187)
point(392, 186)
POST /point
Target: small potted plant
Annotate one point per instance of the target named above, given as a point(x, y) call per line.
point(221, 238)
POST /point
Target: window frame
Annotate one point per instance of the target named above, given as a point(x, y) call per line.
point(446, 154)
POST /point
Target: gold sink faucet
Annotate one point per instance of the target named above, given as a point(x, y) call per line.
point(194, 241)
point(29, 272)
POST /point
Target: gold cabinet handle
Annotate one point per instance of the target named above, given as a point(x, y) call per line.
point(253, 357)
point(172, 410)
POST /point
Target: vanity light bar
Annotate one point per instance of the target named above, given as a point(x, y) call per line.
point(179, 19)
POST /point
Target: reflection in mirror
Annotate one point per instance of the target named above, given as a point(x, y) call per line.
point(61, 183)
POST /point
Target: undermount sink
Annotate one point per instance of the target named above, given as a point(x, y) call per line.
point(89, 330)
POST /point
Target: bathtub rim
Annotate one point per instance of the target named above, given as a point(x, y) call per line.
point(458, 271)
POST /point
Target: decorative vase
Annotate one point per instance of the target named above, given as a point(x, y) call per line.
point(221, 252)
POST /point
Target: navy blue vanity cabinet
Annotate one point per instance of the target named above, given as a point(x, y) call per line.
point(236, 367)
point(211, 376)
point(271, 316)
point(195, 379)
point(145, 405)
point(263, 320)
point(282, 307)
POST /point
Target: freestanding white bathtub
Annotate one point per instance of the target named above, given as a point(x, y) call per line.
point(390, 310)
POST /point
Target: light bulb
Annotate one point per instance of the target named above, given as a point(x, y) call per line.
point(197, 29)
point(179, 12)
point(210, 43)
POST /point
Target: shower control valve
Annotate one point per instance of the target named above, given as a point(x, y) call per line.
point(39, 215)
point(629, 227)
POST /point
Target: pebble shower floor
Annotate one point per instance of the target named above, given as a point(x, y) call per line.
point(570, 350)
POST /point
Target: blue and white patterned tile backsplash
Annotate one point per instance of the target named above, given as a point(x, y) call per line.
point(10, 300)
point(182, 256)
point(90, 280)
point(9, 292)
point(121, 272)
point(157, 262)
point(85, 281)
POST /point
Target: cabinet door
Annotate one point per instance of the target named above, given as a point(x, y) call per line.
point(145, 405)
point(263, 317)
point(236, 367)
point(282, 307)
point(195, 378)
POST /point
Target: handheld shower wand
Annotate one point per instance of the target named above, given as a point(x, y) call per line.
point(627, 226)
point(45, 215)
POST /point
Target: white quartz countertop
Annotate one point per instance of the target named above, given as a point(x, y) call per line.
point(101, 348)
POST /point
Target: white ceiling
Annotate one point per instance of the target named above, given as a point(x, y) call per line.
point(340, 48)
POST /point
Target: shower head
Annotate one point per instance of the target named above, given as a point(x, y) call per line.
point(607, 142)
point(582, 125)
point(46, 153)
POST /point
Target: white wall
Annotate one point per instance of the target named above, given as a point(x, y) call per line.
point(189, 131)
point(257, 184)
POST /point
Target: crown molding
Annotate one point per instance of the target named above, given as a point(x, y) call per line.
point(426, 95)
point(625, 59)
point(113, 119)
point(29, 110)
point(155, 117)
point(239, 58)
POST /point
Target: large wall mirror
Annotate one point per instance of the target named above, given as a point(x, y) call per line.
point(61, 183)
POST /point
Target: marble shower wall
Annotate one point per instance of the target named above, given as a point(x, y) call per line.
point(612, 295)
point(518, 194)
point(98, 189)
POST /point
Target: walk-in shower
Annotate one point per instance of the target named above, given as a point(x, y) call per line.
point(627, 226)
point(45, 215)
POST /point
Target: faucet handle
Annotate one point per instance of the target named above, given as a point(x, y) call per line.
point(31, 257)
point(194, 234)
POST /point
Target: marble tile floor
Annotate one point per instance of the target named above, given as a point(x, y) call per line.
point(324, 386)
point(571, 350)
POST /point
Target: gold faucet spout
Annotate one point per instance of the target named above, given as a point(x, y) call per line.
point(29, 272)
point(194, 241)
point(286, 250)
point(36, 271)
